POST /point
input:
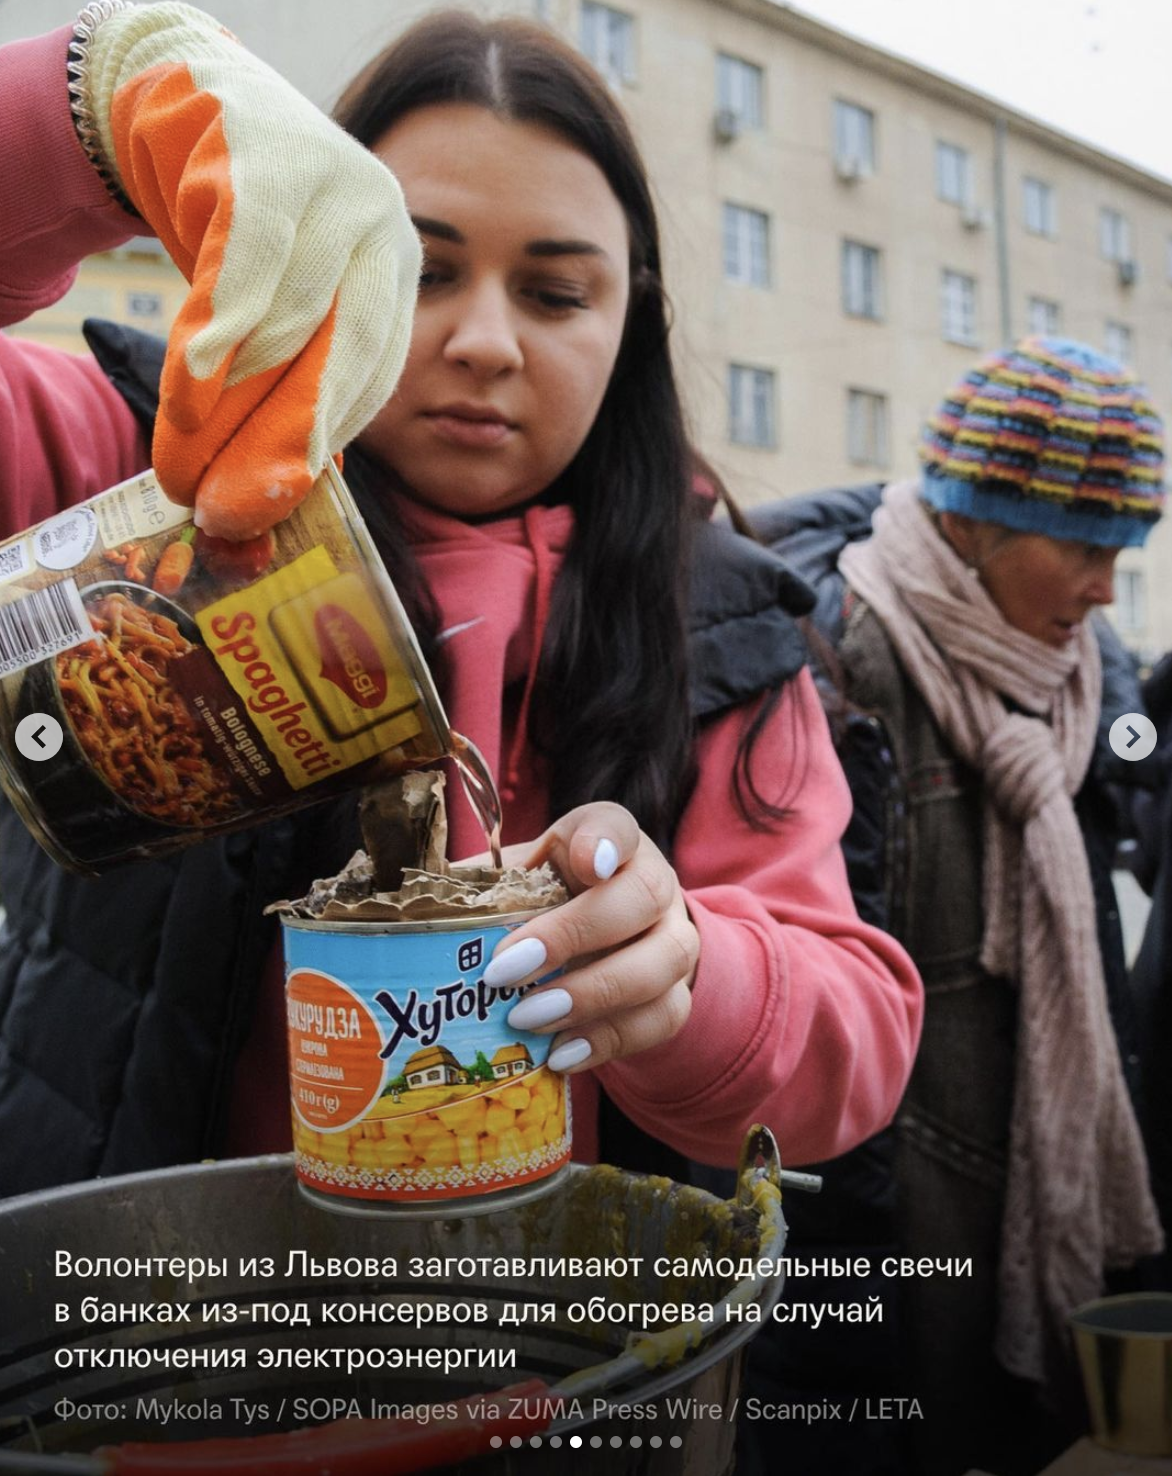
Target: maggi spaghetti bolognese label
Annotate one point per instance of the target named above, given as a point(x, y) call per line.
point(200, 686)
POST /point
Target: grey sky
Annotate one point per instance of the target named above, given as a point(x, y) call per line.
point(1099, 69)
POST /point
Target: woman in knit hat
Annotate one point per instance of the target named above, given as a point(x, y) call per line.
point(970, 634)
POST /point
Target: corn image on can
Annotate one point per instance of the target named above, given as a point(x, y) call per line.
point(410, 1093)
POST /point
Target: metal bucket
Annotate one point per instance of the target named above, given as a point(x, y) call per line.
point(1124, 1348)
point(683, 1377)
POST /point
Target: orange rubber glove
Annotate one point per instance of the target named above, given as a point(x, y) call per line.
point(302, 259)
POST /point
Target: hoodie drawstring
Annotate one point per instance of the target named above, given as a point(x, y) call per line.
point(533, 523)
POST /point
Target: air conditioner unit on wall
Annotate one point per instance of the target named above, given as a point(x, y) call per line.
point(1128, 272)
point(848, 169)
point(974, 217)
point(726, 125)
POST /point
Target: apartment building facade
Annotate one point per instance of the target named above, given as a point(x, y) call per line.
point(844, 232)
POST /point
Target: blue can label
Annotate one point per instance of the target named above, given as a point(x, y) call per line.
point(407, 1082)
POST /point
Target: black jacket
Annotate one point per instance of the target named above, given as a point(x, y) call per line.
point(1151, 978)
point(124, 1000)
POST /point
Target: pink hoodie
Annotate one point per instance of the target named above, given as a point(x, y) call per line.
point(802, 1016)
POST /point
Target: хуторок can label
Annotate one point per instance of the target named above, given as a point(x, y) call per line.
point(408, 1086)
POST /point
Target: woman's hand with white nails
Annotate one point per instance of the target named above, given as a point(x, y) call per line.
point(624, 942)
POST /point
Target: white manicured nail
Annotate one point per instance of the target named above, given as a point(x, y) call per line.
point(541, 1009)
point(514, 963)
point(606, 859)
point(573, 1053)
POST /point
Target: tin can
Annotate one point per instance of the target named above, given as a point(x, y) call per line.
point(152, 695)
point(410, 1092)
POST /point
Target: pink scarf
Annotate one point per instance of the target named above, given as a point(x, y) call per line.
point(1077, 1197)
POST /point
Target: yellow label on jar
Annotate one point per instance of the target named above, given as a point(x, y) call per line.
point(305, 651)
point(334, 631)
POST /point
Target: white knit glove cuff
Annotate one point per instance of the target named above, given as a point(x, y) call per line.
point(77, 70)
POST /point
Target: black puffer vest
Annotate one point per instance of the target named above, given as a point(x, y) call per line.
point(124, 1001)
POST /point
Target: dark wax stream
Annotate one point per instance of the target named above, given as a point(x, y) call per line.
point(480, 787)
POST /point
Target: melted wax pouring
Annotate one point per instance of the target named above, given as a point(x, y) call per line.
point(480, 787)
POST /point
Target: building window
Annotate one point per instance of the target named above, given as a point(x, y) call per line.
point(866, 427)
point(861, 285)
point(144, 304)
point(1129, 600)
point(854, 138)
point(1041, 217)
point(740, 90)
point(751, 395)
point(954, 182)
point(958, 308)
point(1114, 235)
point(1044, 316)
point(608, 39)
point(746, 246)
point(1117, 342)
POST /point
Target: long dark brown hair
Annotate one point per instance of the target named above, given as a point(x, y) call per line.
point(609, 708)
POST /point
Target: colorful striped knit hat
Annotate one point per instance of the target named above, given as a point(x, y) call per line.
point(1049, 437)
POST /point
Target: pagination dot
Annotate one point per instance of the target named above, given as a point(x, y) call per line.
point(576, 1442)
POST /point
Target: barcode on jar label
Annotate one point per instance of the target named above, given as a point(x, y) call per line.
point(41, 624)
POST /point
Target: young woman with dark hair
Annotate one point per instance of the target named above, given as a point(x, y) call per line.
point(530, 486)
point(605, 710)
